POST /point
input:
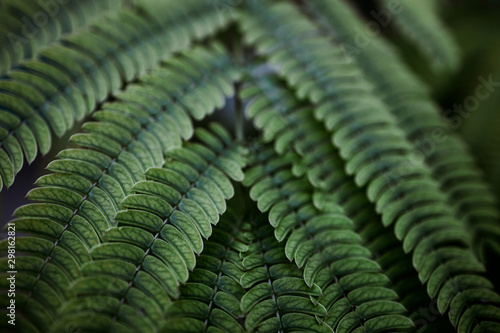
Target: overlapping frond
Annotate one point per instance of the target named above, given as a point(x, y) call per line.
point(288, 123)
point(278, 299)
point(419, 21)
point(362, 212)
point(27, 26)
point(66, 81)
point(157, 236)
point(433, 140)
point(79, 200)
point(375, 149)
point(324, 242)
point(210, 300)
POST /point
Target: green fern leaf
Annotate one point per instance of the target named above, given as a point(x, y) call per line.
point(277, 298)
point(30, 26)
point(390, 139)
point(324, 243)
point(67, 80)
point(362, 212)
point(324, 171)
point(177, 223)
point(210, 300)
point(443, 151)
point(419, 22)
point(80, 199)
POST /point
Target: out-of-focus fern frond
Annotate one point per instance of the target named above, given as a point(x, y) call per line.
point(419, 21)
point(66, 81)
point(28, 26)
point(433, 140)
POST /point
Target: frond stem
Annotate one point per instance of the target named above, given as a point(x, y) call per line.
point(238, 105)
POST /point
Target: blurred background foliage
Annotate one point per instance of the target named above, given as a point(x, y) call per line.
point(475, 25)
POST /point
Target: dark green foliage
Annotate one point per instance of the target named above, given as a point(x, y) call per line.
point(360, 207)
point(66, 80)
point(419, 22)
point(323, 242)
point(210, 299)
point(26, 27)
point(408, 100)
point(79, 200)
point(374, 149)
point(278, 299)
point(157, 235)
point(322, 166)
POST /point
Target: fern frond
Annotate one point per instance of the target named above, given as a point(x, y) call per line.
point(374, 149)
point(78, 201)
point(29, 26)
point(419, 21)
point(359, 210)
point(67, 80)
point(210, 300)
point(290, 124)
point(408, 100)
point(324, 242)
point(278, 299)
point(157, 237)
